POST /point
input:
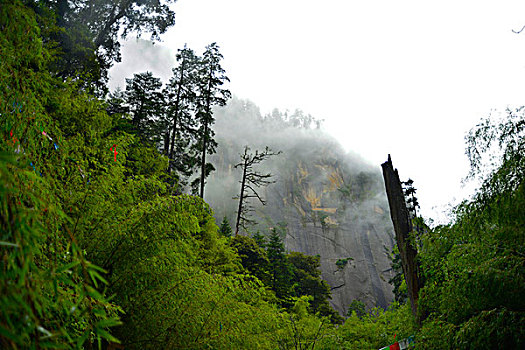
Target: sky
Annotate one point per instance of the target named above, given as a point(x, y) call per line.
point(406, 78)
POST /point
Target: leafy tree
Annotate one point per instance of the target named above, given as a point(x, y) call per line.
point(475, 264)
point(210, 93)
point(250, 182)
point(254, 258)
point(87, 39)
point(307, 282)
point(306, 331)
point(376, 329)
point(357, 307)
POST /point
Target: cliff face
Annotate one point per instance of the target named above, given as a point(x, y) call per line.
point(349, 229)
point(333, 204)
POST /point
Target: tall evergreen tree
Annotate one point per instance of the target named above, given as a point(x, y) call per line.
point(307, 281)
point(210, 93)
point(180, 132)
point(145, 104)
point(280, 269)
point(225, 228)
point(260, 239)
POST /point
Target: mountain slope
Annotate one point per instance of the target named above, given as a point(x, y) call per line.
point(331, 203)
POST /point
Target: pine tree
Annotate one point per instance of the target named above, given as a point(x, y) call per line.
point(145, 104)
point(260, 240)
point(210, 93)
point(225, 228)
point(180, 133)
point(280, 268)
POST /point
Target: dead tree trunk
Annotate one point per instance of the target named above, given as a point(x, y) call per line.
point(402, 228)
point(241, 197)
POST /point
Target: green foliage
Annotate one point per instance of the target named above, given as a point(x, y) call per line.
point(305, 331)
point(357, 307)
point(211, 93)
point(253, 258)
point(145, 103)
point(181, 123)
point(260, 239)
point(85, 34)
point(51, 294)
point(474, 267)
point(341, 263)
point(377, 328)
point(78, 224)
point(398, 280)
point(225, 229)
point(281, 272)
point(307, 281)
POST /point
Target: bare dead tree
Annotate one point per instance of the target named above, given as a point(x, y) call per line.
point(251, 181)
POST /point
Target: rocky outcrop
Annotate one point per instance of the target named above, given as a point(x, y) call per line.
point(352, 229)
point(332, 203)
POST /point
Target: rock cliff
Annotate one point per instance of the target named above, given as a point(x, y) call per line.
point(332, 203)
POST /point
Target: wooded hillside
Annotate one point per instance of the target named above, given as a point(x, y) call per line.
point(102, 241)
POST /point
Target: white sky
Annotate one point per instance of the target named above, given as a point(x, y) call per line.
point(407, 78)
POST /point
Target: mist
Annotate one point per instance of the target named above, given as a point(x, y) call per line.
point(139, 55)
point(332, 203)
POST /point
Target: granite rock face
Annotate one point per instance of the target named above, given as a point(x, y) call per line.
point(332, 203)
point(350, 230)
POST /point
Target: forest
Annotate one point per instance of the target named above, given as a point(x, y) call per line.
point(106, 241)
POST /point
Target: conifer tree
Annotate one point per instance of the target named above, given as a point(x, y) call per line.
point(225, 228)
point(145, 104)
point(260, 240)
point(210, 93)
point(280, 268)
point(180, 133)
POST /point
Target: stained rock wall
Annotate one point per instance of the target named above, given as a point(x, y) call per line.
point(332, 203)
point(354, 230)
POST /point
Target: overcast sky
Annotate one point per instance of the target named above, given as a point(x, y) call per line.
point(407, 78)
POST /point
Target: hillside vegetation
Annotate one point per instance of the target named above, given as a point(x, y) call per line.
point(100, 242)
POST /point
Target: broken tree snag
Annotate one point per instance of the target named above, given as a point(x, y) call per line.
point(402, 228)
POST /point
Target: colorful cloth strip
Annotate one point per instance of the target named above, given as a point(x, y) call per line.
point(401, 345)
